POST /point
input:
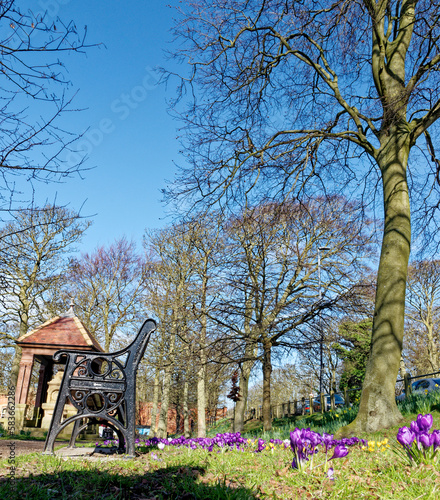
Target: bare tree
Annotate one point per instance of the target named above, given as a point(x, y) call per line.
point(205, 233)
point(108, 286)
point(296, 96)
point(276, 281)
point(32, 250)
point(173, 273)
point(422, 335)
point(33, 85)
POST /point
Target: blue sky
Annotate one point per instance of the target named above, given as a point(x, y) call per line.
point(131, 140)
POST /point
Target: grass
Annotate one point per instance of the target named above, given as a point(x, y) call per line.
point(197, 474)
point(328, 422)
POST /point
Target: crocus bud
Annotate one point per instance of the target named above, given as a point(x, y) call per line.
point(327, 440)
point(406, 437)
point(295, 436)
point(424, 422)
point(426, 439)
point(340, 451)
point(436, 439)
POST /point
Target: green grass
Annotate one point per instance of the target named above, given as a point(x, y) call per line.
point(197, 474)
point(328, 422)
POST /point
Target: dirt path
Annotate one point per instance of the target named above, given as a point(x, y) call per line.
point(21, 447)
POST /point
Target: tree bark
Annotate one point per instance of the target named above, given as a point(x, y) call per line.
point(201, 374)
point(402, 367)
point(431, 346)
point(156, 387)
point(240, 406)
point(201, 397)
point(163, 416)
point(186, 426)
point(377, 408)
point(267, 371)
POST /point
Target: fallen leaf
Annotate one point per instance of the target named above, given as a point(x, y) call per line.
point(282, 472)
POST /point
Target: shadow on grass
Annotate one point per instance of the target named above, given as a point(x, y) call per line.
point(182, 483)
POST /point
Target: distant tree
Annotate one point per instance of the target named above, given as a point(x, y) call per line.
point(290, 382)
point(108, 286)
point(323, 329)
point(205, 233)
point(6, 358)
point(32, 262)
point(422, 328)
point(173, 254)
point(353, 347)
point(287, 384)
point(188, 255)
point(273, 288)
point(295, 97)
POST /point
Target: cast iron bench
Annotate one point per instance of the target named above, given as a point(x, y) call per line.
point(102, 387)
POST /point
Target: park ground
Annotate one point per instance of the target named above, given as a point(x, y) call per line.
point(373, 472)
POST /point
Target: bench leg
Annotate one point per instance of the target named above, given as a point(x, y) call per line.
point(77, 428)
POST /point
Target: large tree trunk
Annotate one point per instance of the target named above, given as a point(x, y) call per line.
point(267, 371)
point(240, 406)
point(377, 408)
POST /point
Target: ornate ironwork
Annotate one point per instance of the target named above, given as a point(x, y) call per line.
point(102, 388)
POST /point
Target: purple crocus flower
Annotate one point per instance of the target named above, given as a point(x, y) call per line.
point(424, 422)
point(436, 439)
point(327, 441)
point(331, 474)
point(426, 439)
point(261, 445)
point(314, 438)
point(406, 436)
point(295, 436)
point(298, 445)
point(414, 427)
point(340, 452)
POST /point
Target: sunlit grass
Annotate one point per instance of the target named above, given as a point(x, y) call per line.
point(373, 471)
point(328, 422)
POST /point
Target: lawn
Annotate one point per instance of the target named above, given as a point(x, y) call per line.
point(183, 473)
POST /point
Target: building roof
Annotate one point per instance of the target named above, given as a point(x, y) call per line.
point(63, 332)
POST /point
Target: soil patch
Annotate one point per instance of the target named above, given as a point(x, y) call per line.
point(22, 447)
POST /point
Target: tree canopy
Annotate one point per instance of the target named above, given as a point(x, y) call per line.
point(290, 98)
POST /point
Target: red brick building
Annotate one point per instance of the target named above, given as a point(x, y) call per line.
point(175, 421)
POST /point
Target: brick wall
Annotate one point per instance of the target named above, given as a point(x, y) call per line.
point(144, 417)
